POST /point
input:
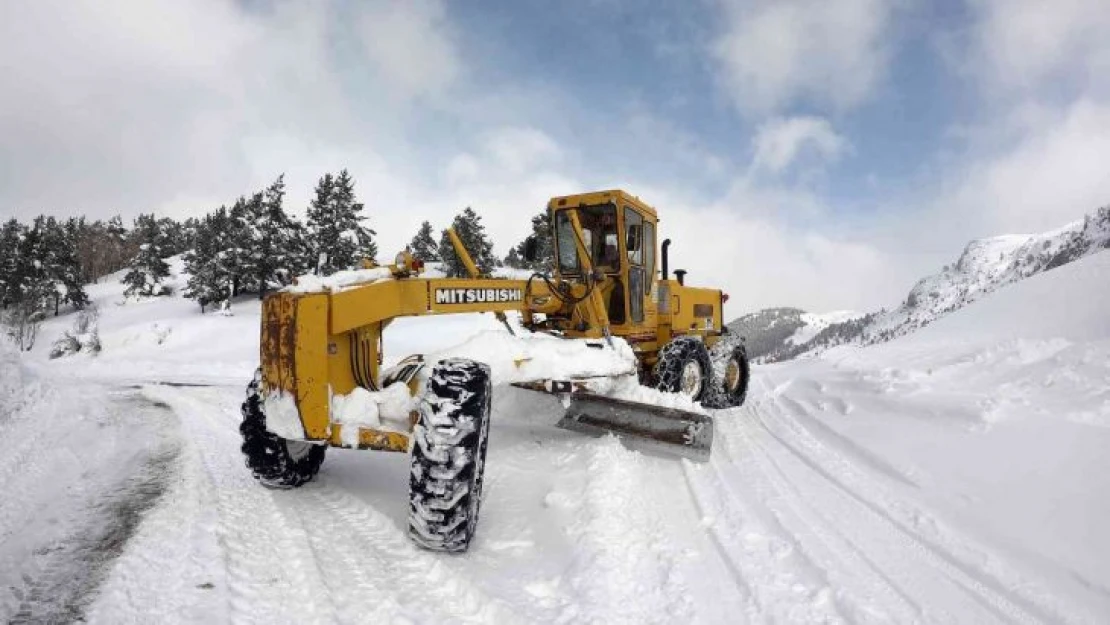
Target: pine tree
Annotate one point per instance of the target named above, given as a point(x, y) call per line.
point(173, 236)
point(61, 265)
point(513, 259)
point(30, 289)
point(206, 263)
point(11, 236)
point(69, 272)
point(545, 249)
point(278, 248)
point(336, 238)
point(147, 268)
point(237, 250)
point(468, 225)
point(121, 246)
point(423, 245)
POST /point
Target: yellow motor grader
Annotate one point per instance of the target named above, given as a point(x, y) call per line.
point(322, 340)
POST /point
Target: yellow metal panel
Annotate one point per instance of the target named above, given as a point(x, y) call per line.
point(340, 375)
point(311, 363)
point(370, 303)
point(615, 196)
point(278, 341)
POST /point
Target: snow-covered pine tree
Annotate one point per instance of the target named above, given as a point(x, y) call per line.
point(173, 236)
point(513, 259)
point(11, 234)
point(209, 279)
point(61, 264)
point(423, 245)
point(237, 250)
point(278, 253)
point(147, 268)
point(336, 238)
point(121, 246)
point(30, 289)
point(468, 225)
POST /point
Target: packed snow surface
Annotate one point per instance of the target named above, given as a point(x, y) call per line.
point(958, 474)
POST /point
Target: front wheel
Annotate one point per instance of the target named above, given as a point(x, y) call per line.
point(274, 461)
point(684, 368)
point(449, 455)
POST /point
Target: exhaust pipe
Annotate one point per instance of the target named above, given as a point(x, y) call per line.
point(666, 244)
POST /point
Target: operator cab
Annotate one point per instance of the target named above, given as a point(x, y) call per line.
point(618, 232)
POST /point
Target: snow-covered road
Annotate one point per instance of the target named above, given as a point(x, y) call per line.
point(956, 475)
point(789, 522)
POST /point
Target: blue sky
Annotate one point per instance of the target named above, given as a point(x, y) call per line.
point(815, 153)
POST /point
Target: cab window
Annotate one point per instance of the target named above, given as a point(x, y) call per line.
point(634, 236)
point(599, 236)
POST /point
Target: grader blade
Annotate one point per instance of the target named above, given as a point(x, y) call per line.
point(687, 434)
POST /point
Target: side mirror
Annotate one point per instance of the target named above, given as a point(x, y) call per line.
point(530, 249)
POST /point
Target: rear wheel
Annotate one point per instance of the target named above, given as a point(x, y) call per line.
point(275, 462)
point(448, 456)
point(732, 388)
point(684, 368)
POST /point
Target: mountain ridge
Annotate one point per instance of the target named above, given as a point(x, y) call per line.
point(983, 266)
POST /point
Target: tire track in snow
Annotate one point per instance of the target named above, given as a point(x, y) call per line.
point(373, 567)
point(623, 568)
point(272, 575)
point(859, 589)
point(864, 540)
point(988, 590)
point(340, 560)
point(694, 489)
point(767, 562)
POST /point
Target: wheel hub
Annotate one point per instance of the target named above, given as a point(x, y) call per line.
point(691, 379)
point(732, 375)
point(297, 449)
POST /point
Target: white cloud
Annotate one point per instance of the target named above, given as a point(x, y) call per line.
point(117, 106)
point(781, 141)
point(1056, 172)
point(411, 44)
point(1022, 43)
point(773, 53)
point(521, 149)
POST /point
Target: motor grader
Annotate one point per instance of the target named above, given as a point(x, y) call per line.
point(322, 341)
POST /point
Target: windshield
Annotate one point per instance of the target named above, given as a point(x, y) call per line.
point(599, 234)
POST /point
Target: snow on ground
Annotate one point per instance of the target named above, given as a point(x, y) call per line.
point(956, 475)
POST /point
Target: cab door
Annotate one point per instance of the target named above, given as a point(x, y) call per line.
point(638, 275)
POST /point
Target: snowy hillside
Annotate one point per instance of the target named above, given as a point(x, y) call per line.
point(984, 265)
point(770, 332)
point(955, 475)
